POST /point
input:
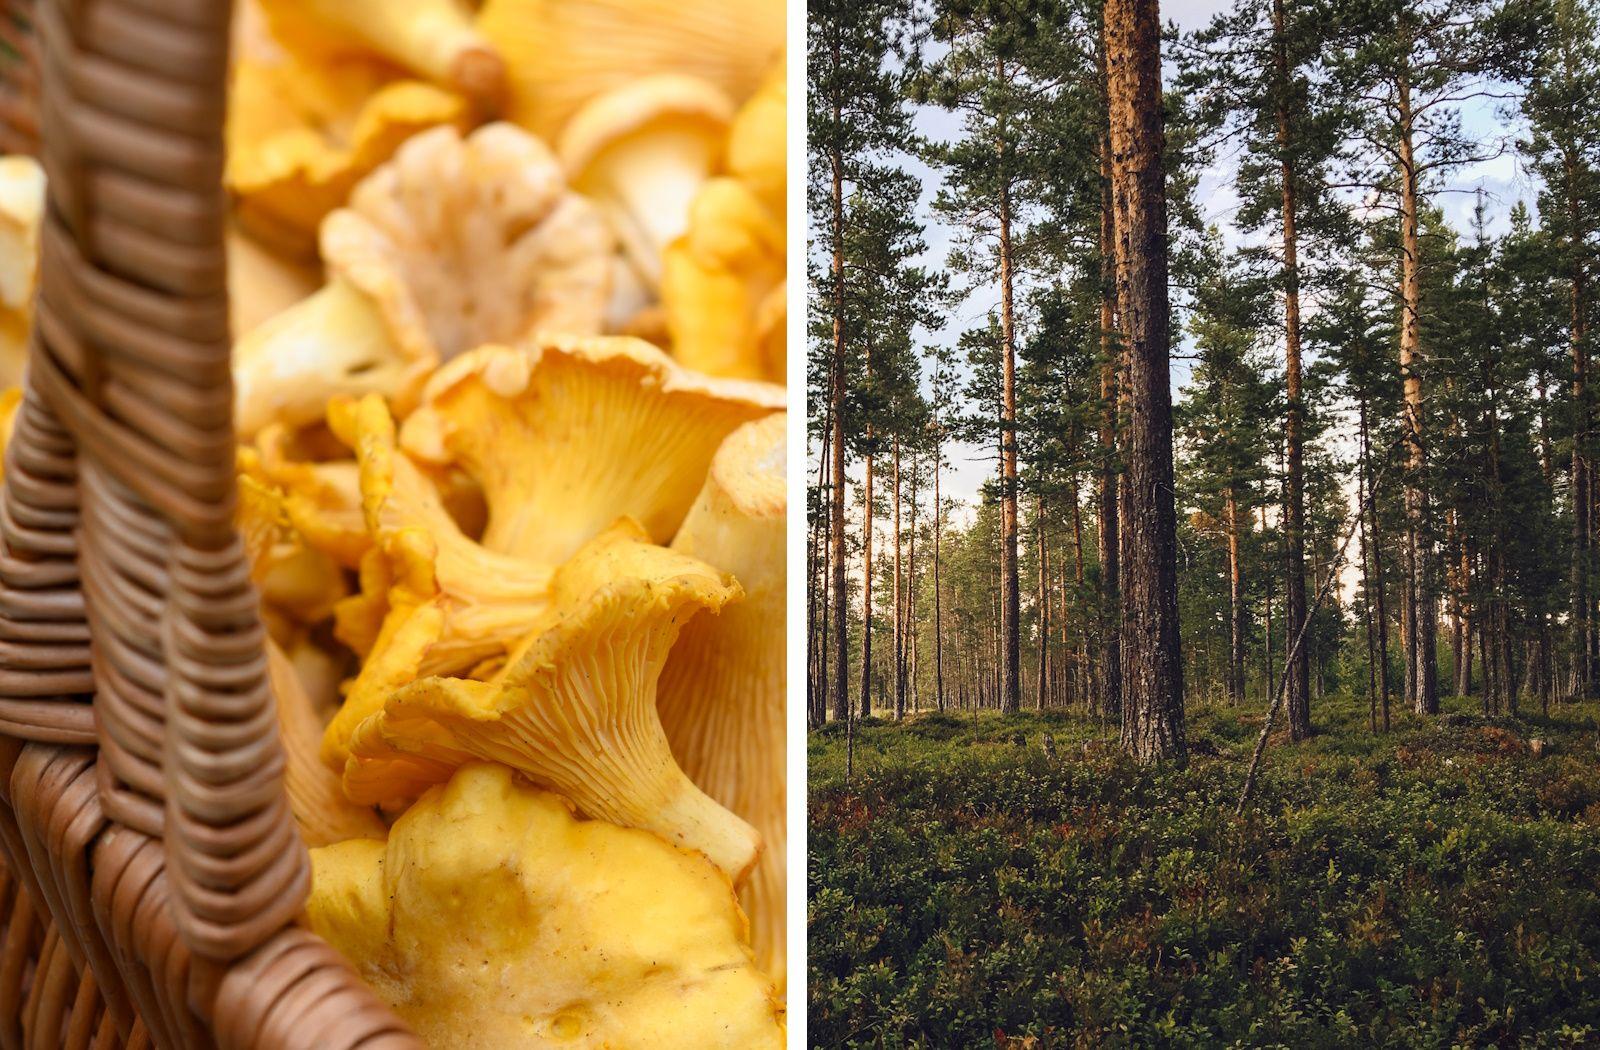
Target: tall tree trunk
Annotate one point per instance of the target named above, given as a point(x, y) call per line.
point(1464, 615)
point(1581, 679)
point(1299, 696)
point(1085, 673)
point(1272, 667)
point(1108, 537)
point(836, 542)
point(1044, 604)
point(1153, 724)
point(866, 586)
point(910, 633)
point(899, 639)
point(817, 582)
point(1362, 498)
point(1011, 599)
point(938, 602)
point(1421, 618)
point(1235, 603)
point(1376, 532)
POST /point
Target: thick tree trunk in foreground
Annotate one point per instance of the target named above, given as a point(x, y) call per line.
point(1421, 619)
point(1153, 726)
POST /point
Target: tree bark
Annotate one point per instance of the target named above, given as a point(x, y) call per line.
point(817, 583)
point(1011, 600)
point(899, 638)
point(840, 659)
point(1153, 723)
point(1299, 698)
point(910, 633)
point(1044, 603)
point(1420, 615)
point(1235, 603)
point(1109, 541)
point(866, 586)
point(938, 611)
point(1580, 677)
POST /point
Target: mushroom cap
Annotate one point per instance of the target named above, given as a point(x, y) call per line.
point(568, 434)
point(722, 693)
point(758, 143)
point(300, 135)
point(294, 577)
point(488, 600)
point(718, 279)
point(464, 241)
point(321, 496)
point(492, 918)
point(673, 99)
point(451, 243)
point(574, 708)
point(562, 53)
point(641, 151)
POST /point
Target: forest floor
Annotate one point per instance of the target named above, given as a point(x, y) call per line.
point(1434, 886)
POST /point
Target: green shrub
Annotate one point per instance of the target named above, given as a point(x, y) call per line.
point(1436, 886)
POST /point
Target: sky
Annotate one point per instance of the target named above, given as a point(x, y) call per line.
point(1503, 180)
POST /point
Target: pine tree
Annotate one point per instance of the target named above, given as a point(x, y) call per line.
point(1152, 668)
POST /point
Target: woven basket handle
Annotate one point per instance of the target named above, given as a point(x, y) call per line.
point(130, 360)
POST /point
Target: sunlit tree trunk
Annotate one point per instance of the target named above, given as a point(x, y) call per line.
point(1235, 603)
point(1152, 668)
point(1299, 696)
point(899, 663)
point(1421, 620)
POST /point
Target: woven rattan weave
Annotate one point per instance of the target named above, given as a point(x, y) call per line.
point(152, 871)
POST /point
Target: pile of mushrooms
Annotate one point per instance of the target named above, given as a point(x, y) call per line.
point(508, 300)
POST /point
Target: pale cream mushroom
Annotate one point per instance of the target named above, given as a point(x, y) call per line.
point(721, 695)
point(642, 152)
point(453, 243)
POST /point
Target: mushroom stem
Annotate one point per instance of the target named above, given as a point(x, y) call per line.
point(332, 342)
point(652, 181)
point(430, 37)
point(689, 818)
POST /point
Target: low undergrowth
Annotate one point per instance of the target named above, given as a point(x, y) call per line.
point(973, 884)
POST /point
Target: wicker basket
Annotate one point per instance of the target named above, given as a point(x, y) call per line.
point(153, 873)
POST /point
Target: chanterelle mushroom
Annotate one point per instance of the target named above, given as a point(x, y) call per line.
point(452, 243)
point(301, 134)
point(21, 209)
point(642, 152)
point(575, 706)
point(562, 53)
point(721, 695)
point(433, 600)
point(723, 280)
point(566, 435)
point(491, 920)
point(434, 38)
